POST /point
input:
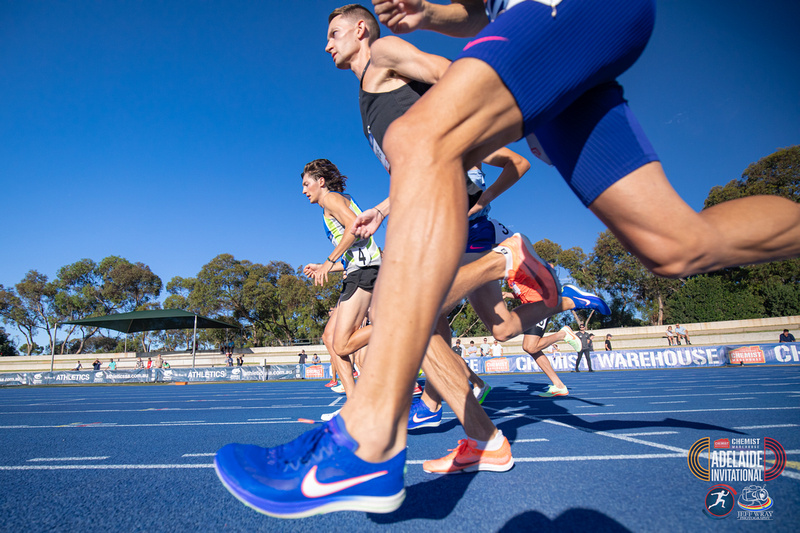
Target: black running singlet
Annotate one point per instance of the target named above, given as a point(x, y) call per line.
point(379, 110)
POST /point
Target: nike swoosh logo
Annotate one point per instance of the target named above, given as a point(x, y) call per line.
point(312, 488)
point(415, 418)
point(475, 247)
point(584, 300)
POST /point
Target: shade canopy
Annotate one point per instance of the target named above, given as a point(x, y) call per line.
point(152, 320)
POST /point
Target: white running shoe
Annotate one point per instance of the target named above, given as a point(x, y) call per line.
point(327, 416)
point(571, 339)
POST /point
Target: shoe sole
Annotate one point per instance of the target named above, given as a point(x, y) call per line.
point(479, 467)
point(367, 504)
point(426, 425)
point(485, 394)
point(544, 275)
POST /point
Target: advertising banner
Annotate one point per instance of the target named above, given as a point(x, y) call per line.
point(13, 378)
point(140, 375)
point(284, 372)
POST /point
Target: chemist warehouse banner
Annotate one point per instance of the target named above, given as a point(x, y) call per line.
point(705, 356)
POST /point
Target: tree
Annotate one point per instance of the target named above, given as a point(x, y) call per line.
point(7, 348)
point(710, 298)
point(621, 274)
point(776, 174)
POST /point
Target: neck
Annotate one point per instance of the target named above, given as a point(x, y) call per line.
point(360, 61)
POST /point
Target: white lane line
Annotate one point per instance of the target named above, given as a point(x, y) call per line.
point(181, 421)
point(530, 440)
point(103, 467)
point(646, 433)
point(676, 401)
point(587, 458)
point(769, 426)
point(734, 399)
point(198, 455)
point(42, 459)
point(337, 400)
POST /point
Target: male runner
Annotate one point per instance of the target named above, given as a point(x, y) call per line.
point(324, 185)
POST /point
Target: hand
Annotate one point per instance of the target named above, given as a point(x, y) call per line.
point(400, 16)
point(321, 274)
point(367, 223)
point(311, 269)
point(478, 207)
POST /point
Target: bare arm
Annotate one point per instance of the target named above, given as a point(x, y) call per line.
point(460, 18)
point(338, 207)
point(368, 222)
point(407, 61)
point(514, 167)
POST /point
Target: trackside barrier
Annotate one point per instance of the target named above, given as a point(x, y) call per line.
point(686, 357)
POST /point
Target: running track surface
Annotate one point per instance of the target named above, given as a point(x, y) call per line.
point(610, 457)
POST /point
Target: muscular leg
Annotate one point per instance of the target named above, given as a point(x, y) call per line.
point(348, 335)
point(342, 364)
point(534, 346)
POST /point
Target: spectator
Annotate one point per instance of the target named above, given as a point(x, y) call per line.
point(486, 349)
point(159, 361)
point(139, 363)
point(472, 350)
point(112, 365)
point(608, 343)
point(166, 364)
point(149, 362)
point(497, 349)
point(586, 348)
point(315, 359)
point(670, 336)
point(77, 368)
point(229, 359)
point(96, 365)
point(786, 336)
point(457, 348)
point(240, 360)
point(302, 355)
point(680, 332)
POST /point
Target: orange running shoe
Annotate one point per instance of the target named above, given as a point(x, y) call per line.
point(467, 458)
point(524, 268)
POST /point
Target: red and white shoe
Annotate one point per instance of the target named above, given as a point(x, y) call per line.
point(468, 458)
point(534, 278)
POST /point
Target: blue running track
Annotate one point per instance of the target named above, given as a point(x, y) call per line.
point(612, 456)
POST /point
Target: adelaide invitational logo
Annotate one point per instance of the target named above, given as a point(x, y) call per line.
point(736, 459)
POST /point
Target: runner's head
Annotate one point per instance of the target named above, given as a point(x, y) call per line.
point(349, 28)
point(320, 176)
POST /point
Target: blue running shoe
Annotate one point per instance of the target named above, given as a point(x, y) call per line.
point(314, 474)
point(585, 300)
point(421, 417)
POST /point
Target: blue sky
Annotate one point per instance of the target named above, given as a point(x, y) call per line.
point(170, 132)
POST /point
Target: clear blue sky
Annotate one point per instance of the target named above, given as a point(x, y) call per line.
point(170, 132)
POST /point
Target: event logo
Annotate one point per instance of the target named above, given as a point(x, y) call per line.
point(737, 459)
point(748, 355)
point(497, 364)
point(719, 501)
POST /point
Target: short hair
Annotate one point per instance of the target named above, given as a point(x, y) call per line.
point(322, 168)
point(357, 11)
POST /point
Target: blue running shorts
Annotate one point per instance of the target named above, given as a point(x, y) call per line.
point(484, 234)
point(561, 71)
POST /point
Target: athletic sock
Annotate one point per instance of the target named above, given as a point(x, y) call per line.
point(507, 255)
point(492, 445)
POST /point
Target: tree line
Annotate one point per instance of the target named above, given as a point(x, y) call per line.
point(277, 304)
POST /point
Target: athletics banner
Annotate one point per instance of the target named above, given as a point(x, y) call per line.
point(684, 357)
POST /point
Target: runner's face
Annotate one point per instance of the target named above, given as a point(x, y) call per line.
point(312, 188)
point(342, 42)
